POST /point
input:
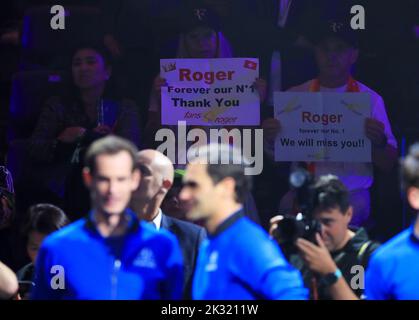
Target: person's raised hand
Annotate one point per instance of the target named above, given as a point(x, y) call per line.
point(271, 127)
point(113, 45)
point(374, 131)
point(102, 129)
point(317, 257)
point(71, 134)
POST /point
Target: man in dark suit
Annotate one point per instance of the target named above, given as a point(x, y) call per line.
point(156, 179)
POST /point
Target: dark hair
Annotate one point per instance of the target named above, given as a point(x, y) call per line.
point(45, 218)
point(98, 48)
point(224, 161)
point(330, 193)
point(109, 145)
point(410, 168)
point(71, 91)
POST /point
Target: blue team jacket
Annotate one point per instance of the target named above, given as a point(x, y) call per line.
point(142, 264)
point(241, 262)
point(392, 272)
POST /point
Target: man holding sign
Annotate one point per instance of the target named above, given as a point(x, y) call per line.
point(336, 52)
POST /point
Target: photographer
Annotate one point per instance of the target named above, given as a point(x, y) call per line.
point(326, 262)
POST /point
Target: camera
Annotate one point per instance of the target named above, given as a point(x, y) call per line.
point(302, 225)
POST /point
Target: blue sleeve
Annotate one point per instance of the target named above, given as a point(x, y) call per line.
point(269, 274)
point(375, 281)
point(173, 287)
point(279, 280)
point(43, 289)
point(284, 283)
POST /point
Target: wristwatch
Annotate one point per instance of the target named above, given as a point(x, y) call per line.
point(331, 278)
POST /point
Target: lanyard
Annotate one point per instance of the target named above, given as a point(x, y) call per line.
point(351, 86)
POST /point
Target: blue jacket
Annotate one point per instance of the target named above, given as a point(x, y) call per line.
point(240, 262)
point(392, 273)
point(142, 264)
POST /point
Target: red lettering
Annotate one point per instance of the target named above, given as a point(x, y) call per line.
point(221, 75)
point(325, 119)
point(306, 116)
point(184, 74)
point(208, 77)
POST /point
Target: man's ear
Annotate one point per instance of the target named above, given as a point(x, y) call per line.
point(167, 184)
point(229, 186)
point(87, 177)
point(413, 197)
point(136, 178)
point(349, 214)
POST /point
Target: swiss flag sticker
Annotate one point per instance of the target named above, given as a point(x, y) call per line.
point(250, 64)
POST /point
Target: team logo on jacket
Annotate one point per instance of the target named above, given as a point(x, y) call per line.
point(213, 262)
point(145, 259)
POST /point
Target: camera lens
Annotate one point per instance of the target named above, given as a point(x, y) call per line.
point(298, 178)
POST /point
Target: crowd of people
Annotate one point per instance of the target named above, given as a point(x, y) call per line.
point(124, 221)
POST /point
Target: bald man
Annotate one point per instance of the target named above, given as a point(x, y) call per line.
point(157, 175)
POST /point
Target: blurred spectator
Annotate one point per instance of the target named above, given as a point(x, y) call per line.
point(43, 219)
point(8, 283)
point(68, 124)
point(392, 274)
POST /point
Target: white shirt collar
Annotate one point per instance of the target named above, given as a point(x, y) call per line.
point(157, 220)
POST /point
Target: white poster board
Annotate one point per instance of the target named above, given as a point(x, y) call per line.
point(319, 127)
point(210, 92)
